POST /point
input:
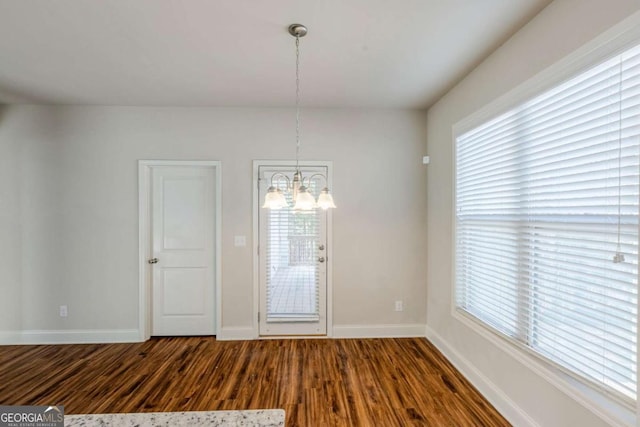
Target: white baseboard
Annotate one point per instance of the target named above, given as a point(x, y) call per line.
point(339, 331)
point(72, 336)
point(236, 333)
point(379, 331)
point(507, 407)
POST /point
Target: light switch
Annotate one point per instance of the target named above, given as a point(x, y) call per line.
point(240, 240)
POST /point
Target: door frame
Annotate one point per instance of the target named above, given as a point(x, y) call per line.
point(257, 205)
point(144, 240)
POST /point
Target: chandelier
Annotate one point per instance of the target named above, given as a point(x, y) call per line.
point(303, 200)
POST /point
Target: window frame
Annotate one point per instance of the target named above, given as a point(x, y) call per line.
point(612, 42)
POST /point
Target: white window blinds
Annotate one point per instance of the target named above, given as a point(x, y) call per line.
point(546, 196)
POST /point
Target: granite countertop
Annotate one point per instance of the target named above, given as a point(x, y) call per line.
point(259, 418)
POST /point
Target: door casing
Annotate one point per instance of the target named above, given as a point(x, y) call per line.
point(144, 239)
point(257, 205)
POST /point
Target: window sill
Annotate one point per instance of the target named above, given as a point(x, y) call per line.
point(605, 407)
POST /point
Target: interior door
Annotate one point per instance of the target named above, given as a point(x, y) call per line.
point(183, 228)
point(293, 263)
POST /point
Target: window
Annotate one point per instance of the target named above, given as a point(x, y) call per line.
point(546, 208)
point(293, 273)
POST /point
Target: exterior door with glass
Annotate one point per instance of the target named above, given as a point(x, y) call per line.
point(293, 256)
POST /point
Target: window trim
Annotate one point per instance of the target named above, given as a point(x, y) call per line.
point(612, 42)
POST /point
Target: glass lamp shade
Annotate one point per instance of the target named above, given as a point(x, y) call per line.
point(325, 201)
point(304, 200)
point(274, 199)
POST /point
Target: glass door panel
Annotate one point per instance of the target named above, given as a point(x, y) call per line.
point(293, 262)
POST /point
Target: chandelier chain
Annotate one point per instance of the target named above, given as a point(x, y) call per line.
point(297, 102)
point(303, 200)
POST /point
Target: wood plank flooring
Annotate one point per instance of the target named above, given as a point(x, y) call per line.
point(359, 382)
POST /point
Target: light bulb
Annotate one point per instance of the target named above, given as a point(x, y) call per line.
point(304, 200)
point(274, 199)
point(325, 201)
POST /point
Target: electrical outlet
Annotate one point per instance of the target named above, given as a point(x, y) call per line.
point(64, 312)
point(399, 305)
point(240, 240)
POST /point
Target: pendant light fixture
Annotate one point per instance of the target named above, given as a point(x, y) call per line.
point(302, 198)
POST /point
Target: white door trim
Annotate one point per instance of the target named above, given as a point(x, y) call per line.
point(256, 240)
point(144, 239)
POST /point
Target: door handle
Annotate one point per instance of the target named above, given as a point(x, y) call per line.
point(153, 261)
point(321, 259)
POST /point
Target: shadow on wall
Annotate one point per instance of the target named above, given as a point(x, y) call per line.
point(3, 111)
point(12, 95)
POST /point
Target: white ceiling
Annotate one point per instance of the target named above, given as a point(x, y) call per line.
point(359, 53)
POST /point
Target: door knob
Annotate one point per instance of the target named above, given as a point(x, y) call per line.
point(153, 261)
point(321, 259)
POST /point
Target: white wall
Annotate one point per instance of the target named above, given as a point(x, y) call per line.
point(68, 188)
point(10, 231)
point(558, 30)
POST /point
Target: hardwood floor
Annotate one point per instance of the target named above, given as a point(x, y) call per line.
point(368, 382)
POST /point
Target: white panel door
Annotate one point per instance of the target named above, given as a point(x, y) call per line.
point(183, 228)
point(293, 263)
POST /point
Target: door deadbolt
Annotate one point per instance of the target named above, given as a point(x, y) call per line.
point(321, 247)
point(153, 261)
